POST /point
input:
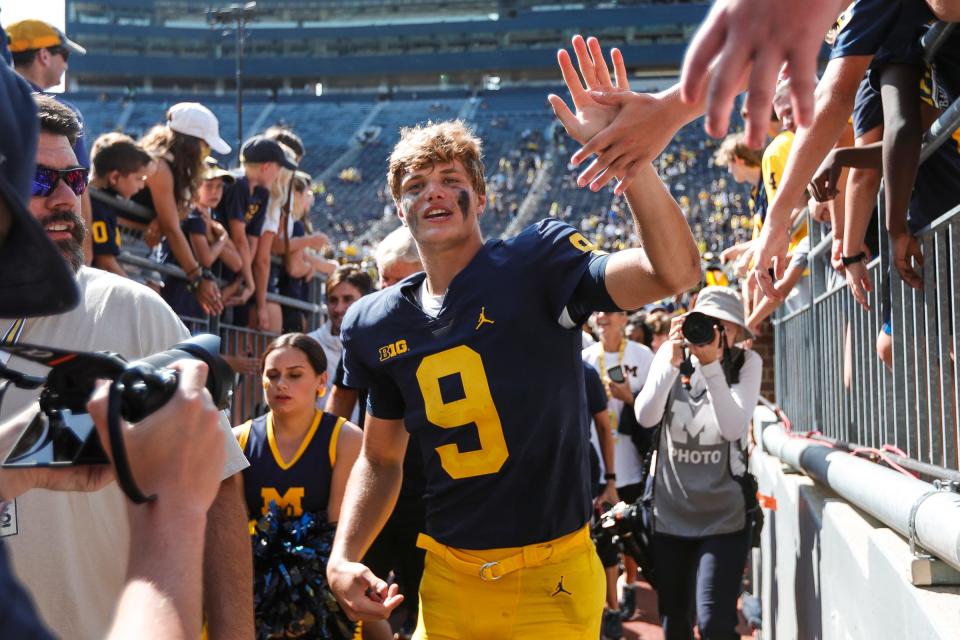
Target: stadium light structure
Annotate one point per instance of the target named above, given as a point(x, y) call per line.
point(235, 17)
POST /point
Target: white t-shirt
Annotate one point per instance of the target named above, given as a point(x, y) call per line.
point(430, 303)
point(333, 349)
point(70, 549)
point(635, 363)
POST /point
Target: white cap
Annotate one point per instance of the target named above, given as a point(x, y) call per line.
point(194, 119)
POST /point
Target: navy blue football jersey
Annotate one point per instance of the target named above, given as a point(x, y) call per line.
point(238, 203)
point(887, 29)
point(492, 388)
point(104, 230)
point(296, 485)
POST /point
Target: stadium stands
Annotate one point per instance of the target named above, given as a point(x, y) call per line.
point(355, 132)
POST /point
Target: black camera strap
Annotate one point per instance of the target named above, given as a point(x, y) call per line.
point(121, 462)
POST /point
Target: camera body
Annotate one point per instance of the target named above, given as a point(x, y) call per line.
point(699, 328)
point(62, 434)
point(627, 527)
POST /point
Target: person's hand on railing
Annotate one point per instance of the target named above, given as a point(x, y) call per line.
point(152, 235)
point(906, 252)
point(207, 294)
point(824, 185)
point(858, 279)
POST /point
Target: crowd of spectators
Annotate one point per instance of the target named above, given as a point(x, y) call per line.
point(229, 240)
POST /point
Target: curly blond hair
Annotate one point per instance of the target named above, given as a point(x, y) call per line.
point(436, 143)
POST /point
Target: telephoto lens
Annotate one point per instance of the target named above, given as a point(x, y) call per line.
point(698, 328)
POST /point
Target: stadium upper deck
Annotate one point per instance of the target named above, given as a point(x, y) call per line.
point(292, 45)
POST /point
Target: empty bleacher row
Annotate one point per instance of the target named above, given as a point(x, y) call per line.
point(356, 132)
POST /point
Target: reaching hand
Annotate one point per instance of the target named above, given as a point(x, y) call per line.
point(756, 37)
point(607, 497)
point(674, 342)
point(208, 295)
point(825, 181)
point(621, 391)
point(769, 256)
point(858, 279)
point(160, 462)
point(362, 595)
point(906, 252)
point(592, 115)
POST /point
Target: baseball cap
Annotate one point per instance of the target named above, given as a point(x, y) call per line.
point(26, 35)
point(261, 149)
point(34, 278)
point(194, 119)
point(213, 171)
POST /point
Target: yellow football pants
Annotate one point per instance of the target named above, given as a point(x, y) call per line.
point(551, 590)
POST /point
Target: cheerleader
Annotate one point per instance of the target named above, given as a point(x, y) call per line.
point(300, 458)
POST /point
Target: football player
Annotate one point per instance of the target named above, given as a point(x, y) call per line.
point(479, 357)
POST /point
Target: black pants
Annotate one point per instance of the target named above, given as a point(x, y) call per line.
point(395, 549)
point(699, 576)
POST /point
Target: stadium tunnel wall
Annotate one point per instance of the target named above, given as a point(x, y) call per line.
point(827, 570)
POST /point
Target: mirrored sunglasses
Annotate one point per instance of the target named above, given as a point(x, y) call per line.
point(45, 180)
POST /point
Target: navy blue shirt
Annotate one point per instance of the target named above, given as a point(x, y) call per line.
point(890, 30)
point(596, 393)
point(299, 484)
point(492, 388)
point(174, 290)
point(104, 230)
point(238, 203)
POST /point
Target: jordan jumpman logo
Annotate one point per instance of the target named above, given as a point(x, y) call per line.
point(483, 319)
point(560, 588)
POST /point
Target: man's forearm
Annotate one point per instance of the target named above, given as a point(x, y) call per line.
point(368, 501)
point(669, 255)
point(228, 565)
point(163, 592)
point(261, 268)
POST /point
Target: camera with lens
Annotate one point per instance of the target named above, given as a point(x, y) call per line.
point(698, 328)
point(63, 434)
point(628, 527)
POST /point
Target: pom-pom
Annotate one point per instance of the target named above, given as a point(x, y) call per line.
point(291, 597)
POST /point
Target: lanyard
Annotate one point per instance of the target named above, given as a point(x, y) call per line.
point(614, 417)
point(603, 366)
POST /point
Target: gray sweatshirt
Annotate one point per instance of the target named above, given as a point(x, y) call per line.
point(701, 443)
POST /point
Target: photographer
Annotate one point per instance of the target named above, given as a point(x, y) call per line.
point(162, 578)
point(703, 405)
point(65, 547)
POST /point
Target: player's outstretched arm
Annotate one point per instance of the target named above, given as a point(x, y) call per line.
point(367, 501)
point(756, 37)
point(667, 261)
point(624, 129)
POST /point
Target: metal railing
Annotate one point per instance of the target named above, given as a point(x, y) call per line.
point(242, 347)
point(828, 375)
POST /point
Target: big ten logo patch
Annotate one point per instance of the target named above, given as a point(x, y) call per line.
point(8, 519)
point(392, 350)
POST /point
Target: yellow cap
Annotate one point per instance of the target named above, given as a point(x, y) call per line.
point(27, 35)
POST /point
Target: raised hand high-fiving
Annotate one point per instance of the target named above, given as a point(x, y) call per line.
point(591, 116)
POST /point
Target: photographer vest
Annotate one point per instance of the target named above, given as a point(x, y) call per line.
point(695, 491)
